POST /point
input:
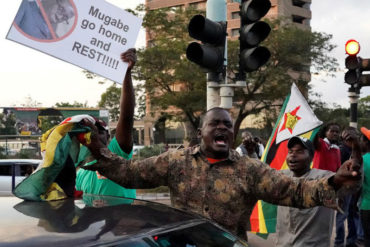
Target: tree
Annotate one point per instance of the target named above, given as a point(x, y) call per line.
point(364, 111)
point(110, 100)
point(170, 79)
point(294, 51)
point(163, 66)
point(29, 102)
point(7, 124)
point(74, 104)
point(327, 114)
point(341, 115)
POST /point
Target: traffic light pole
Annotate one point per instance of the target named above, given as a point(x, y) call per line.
point(356, 65)
point(215, 11)
point(353, 95)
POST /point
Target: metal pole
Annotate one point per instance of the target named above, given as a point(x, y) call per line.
point(215, 11)
point(353, 96)
point(13, 176)
point(6, 146)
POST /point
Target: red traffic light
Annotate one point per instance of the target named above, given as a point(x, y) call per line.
point(352, 47)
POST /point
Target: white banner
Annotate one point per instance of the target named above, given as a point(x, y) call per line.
point(91, 34)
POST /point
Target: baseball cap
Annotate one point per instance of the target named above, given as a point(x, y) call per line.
point(304, 142)
point(366, 132)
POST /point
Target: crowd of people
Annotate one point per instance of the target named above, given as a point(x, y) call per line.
point(223, 184)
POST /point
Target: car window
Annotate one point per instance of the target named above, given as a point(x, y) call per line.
point(26, 170)
point(5, 170)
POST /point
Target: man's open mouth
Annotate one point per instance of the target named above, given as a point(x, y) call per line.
point(220, 140)
point(292, 162)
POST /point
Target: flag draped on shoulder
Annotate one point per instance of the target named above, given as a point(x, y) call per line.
point(55, 177)
point(296, 118)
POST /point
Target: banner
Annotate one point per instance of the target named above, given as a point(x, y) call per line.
point(296, 118)
point(90, 34)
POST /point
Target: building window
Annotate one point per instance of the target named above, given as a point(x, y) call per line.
point(234, 32)
point(194, 5)
point(298, 19)
point(235, 15)
point(298, 3)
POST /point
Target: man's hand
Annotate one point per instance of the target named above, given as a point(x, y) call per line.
point(350, 172)
point(129, 57)
point(95, 143)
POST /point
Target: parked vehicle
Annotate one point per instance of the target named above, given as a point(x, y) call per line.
point(106, 221)
point(21, 168)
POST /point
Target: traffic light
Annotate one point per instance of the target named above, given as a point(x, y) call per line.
point(252, 33)
point(356, 65)
point(210, 54)
point(352, 62)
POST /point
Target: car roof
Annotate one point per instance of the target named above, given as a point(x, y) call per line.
point(35, 161)
point(89, 221)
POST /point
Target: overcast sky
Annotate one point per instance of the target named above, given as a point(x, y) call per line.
point(25, 72)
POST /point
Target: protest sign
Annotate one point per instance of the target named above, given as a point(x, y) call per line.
point(90, 34)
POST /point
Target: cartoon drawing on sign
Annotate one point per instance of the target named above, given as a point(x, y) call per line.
point(46, 20)
point(61, 15)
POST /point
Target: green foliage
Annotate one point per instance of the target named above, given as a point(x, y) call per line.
point(140, 101)
point(160, 189)
point(341, 115)
point(7, 124)
point(364, 112)
point(331, 114)
point(170, 79)
point(149, 151)
point(2, 153)
point(48, 122)
point(163, 64)
point(293, 51)
point(74, 104)
point(110, 100)
point(29, 102)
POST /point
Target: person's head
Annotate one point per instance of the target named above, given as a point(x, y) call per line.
point(247, 136)
point(300, 155)
point(365, 140)
point(248, 140)
point(331, 132)
point(103, 130)
point(216, 133)
point(60, 12)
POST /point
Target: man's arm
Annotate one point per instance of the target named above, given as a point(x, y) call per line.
point(127, 105)
point(350, 171)
point(274, 187)
point(144, 174)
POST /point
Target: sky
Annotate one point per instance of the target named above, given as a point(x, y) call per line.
point(27, 73)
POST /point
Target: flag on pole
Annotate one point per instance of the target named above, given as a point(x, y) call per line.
point(296, 118)
point(55, 177)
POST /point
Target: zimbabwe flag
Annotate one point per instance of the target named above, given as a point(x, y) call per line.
point(296, 118)
point(55, 177)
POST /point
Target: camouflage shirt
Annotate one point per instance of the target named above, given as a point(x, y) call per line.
point(225, 192)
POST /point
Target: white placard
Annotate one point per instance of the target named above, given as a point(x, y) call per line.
point(91, 34)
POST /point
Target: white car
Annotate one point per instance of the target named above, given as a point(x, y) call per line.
point(21, 167)
point(136, 149)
